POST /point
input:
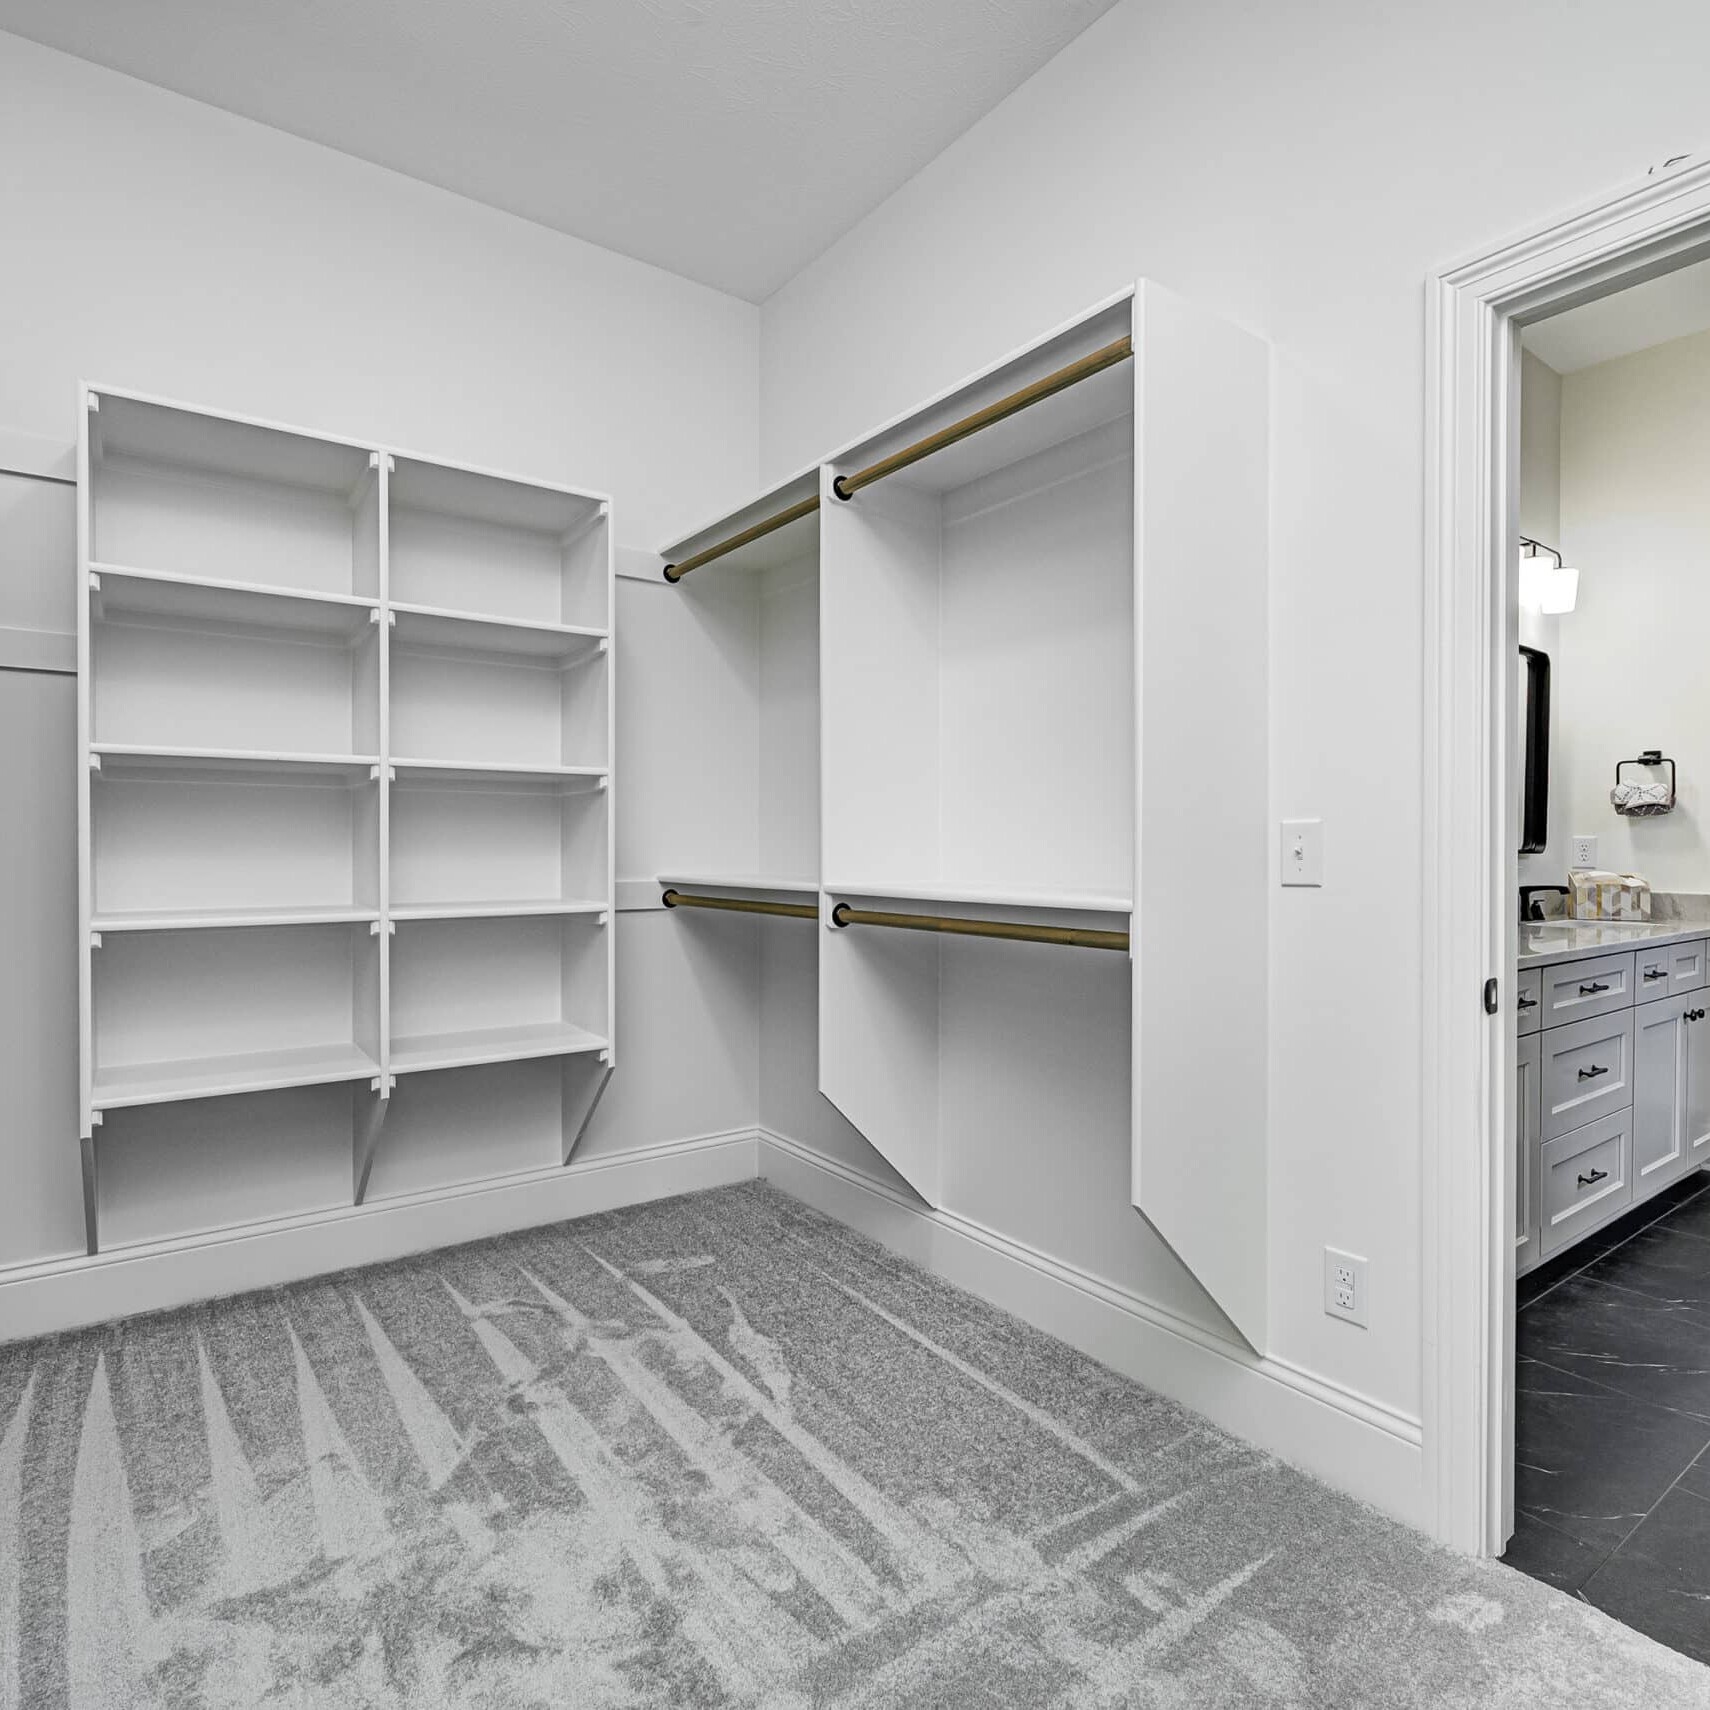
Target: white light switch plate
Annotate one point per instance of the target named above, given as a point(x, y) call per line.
point(1303, 852)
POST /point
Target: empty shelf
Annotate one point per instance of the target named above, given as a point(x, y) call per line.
point(439, 629)
point(181, 920)
point(139, 758)
point(498, 910)
point(991, 896)
point(165, 597)
point(213, 1077)
point(491, 1045)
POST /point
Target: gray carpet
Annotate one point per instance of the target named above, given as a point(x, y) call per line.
point(715, 1451)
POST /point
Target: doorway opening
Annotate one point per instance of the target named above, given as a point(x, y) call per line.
point(1610, 1127)
point(1568, 1117)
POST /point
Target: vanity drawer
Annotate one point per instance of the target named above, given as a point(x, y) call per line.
point(1574, 990)
point(1686, 968)
point(1651, 972)
point(1529, 1001)
point(1587, 1179)
point(1588, 1071)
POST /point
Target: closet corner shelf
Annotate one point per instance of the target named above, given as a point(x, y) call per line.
point(990, 896)
point(443, 629)
point(215, 1077)
point(495, 773)
point(130, 758)
point(167, 597)
point(501, 910)
point(746, 882)
point(201, 919)
point(423, 1051)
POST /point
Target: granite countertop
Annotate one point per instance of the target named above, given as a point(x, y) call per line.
point(1545, 941)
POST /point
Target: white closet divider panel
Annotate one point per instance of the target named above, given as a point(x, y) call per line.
point(1203, 905)
point(257, 713)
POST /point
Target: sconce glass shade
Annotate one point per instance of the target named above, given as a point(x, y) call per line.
point(1546, 585)
point(1559, 589)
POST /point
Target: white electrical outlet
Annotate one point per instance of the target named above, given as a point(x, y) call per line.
point(1585, 852)
point(1345, 1286)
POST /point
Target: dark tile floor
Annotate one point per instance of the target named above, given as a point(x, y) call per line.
point(1612, 1420)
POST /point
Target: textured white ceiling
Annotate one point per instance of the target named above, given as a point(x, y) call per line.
point(727, 140)
point(1672, 306)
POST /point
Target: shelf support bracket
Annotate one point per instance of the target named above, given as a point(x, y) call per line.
point(368, 1123)
point(91, 1219)
point(584, 1084)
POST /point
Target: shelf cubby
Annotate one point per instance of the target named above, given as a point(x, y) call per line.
point(200, 495)
point(498, 989)
point(260, 686)
point(191, 844)
point(196, 1014)
point(466, 542)
point(505, 708)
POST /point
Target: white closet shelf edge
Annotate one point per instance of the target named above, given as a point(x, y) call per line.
point(416, 1053)
point(216, 1077)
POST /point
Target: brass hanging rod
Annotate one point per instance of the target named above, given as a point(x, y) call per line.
point(1076, 936)
point(741, 905)
point(769, 525)
point(1083, 368)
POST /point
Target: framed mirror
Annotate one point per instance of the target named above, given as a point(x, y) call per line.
point(1535, 750)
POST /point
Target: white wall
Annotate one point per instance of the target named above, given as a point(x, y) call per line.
point(1541, 519)
point(1301, 169)
point(153, 243)
point(1632, 669)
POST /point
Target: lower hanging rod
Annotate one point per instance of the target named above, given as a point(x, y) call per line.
point(1078, 937)
point(1059, 380)
point(741, 905)
point(768, 525)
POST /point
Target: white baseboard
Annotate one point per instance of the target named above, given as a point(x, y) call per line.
point(1347, 1440)
point(65, 1294)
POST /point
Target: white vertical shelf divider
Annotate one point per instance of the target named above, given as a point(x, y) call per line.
point(370, 1112)
point(285, 640)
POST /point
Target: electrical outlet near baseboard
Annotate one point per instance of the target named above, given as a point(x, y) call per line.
point(1584, 852)
point(1345, 1286)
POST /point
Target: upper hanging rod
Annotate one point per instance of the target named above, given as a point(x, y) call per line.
point(1083, 368)
point(803, 508)
point(741, 905)
point(1079, 937)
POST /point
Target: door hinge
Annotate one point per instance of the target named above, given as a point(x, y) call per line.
point(1490, 1001)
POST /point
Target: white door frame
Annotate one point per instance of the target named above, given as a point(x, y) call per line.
point(1475, 312)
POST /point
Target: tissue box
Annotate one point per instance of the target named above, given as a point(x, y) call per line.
point(1608, 896)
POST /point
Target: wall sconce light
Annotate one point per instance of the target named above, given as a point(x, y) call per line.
point(1545, 586)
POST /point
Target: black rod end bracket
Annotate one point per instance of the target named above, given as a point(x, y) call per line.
point(837, 488)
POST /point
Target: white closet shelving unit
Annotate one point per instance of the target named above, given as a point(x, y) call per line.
point(345, 812)
point(1042, 673)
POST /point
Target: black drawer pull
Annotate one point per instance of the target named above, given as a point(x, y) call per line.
point(1593, 1072)
point(1655, 974)
point(1526, 1003)
point(1593, 989)
point(1593, 1179)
